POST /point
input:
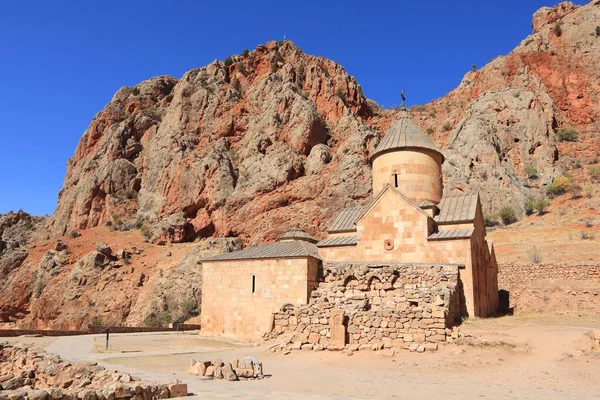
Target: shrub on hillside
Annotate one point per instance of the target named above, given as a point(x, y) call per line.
point(537, 204)
point(508, 215)
point(575, 190)
point(594, 171)
point(559, 186)
point(535, 255)
point(558, 29)
point(531, 171)
point(567, 134)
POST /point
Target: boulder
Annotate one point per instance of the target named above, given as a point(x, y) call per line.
point(229, 373)
point(104, 248)
point(178, 390)
point(197, 368)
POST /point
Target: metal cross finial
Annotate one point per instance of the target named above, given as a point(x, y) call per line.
point(403, 98)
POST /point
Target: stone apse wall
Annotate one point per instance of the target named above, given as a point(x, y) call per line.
point(393, 305)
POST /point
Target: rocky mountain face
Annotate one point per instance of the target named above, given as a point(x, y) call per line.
point(503, 117)
point(257, 143)
point(243, 149)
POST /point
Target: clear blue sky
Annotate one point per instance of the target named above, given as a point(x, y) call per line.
point(63, 60)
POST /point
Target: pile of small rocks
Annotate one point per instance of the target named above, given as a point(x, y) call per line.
point(248, 368)
point(29, 374)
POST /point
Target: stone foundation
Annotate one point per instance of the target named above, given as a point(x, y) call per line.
point(383, 306)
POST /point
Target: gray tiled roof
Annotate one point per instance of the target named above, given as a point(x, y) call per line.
point(297, 233)
point(345, 220)
point(287, 249)
point(404, 133)
point(338, 241)
point(453, 234)
point(457, 208)
point(426, 204)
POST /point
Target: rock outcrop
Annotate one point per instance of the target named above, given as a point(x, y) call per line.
point(223, 151)
point(238, 147)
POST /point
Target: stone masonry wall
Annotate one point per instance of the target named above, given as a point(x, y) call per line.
point(510, 275)
point(408, 306)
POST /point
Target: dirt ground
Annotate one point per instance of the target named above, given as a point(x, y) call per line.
point(515, 357)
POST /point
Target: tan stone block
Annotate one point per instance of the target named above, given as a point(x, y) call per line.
point(418, 337)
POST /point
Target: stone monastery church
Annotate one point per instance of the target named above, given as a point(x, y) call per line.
point(410, 256)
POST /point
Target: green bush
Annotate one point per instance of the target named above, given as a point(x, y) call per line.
point(430, 131)
point(97, 321)
point(154, 320)
point(598, 30)
point(508, 215)
point(274, 66)
point(594, 171)
point(559, 186)
point(537, 204)
point(189, 308)
point(567, 134)
point(541, 205)
point(574, 190)
point(589, 191)
point(529, 206)
point(228, 61)
point(74, 234)
point(242, 68)
point(245, 52)
point(135, 91)
point(531, 171)
point(535, 255)
point(558, 29)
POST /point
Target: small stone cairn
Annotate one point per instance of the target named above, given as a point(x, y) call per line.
point(247, 368)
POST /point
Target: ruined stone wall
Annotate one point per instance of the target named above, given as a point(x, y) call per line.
point(385, 305)
point(511, 275)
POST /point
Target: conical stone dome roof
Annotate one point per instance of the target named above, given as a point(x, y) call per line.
point(297, 234)
point(404, 134)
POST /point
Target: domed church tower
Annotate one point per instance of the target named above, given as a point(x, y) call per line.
point(407, 159)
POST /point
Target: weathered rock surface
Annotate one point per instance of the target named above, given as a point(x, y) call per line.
point(213, 152)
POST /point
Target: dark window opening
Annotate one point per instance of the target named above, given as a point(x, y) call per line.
point(395, 180)
point(253, 283)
